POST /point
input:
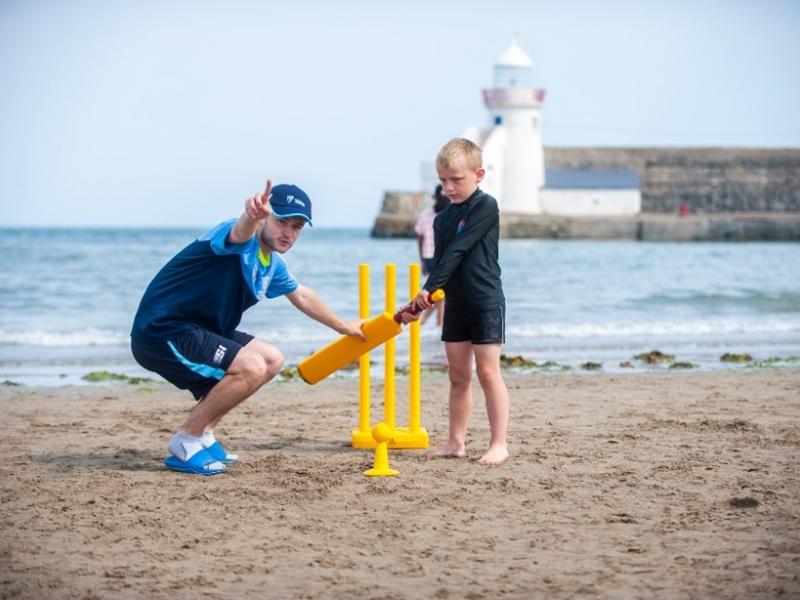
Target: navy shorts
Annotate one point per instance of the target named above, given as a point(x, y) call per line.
point(194, 361)
point(481, 325)
point(428, 264)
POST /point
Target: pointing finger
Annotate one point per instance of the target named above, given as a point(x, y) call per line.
point(267, 191)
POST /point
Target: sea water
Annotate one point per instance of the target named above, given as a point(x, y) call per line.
point(68, 297)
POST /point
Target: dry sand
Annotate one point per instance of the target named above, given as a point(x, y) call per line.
point(674, 485)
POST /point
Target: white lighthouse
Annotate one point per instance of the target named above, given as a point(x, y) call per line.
point(513, 156)
point(512, 146)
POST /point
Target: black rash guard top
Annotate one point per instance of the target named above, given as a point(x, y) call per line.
point(465, 261)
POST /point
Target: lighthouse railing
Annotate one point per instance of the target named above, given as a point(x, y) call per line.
point(507, 96)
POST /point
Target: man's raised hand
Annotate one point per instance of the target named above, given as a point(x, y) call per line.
point(257, 207)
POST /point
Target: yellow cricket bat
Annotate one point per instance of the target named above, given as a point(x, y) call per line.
point(347, 348)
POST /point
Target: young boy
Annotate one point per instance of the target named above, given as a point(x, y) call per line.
point(186, 326)
point(465, 265)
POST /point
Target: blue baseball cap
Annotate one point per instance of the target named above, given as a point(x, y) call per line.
point(290, 201)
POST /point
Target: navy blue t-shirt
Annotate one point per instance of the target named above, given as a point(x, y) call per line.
point(210, 283)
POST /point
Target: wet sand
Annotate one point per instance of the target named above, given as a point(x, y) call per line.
point(639, 485)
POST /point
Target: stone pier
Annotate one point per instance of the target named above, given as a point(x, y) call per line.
point(730, 194)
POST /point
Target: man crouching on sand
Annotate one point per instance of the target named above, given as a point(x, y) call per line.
point(185, 328)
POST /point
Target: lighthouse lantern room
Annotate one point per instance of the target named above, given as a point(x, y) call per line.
point(512, 144)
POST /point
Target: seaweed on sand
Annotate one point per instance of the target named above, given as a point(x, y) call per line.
point(99, 376)
point(654, 357)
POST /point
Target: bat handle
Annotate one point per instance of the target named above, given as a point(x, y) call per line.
point(413, 309)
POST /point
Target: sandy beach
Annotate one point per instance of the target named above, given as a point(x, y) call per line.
point(673, 485)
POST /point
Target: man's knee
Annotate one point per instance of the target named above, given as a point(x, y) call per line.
point(252, 367)
point(274, 362)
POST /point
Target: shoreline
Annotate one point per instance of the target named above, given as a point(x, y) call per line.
point(674, 484)
point(56, 376)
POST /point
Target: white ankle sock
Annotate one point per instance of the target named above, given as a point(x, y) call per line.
point(207, 439)
point(184, 446)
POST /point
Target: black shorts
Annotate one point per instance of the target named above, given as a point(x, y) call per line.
point(481, 325)
point(194, 361)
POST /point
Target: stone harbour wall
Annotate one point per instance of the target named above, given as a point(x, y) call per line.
point(399, 213)
point(654, 227)
point(731, 193)
point(709, 180)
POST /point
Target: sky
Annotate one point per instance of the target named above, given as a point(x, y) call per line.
point(169, 114)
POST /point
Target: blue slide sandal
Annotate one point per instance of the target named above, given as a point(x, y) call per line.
point(196, 465)
point(219, 453)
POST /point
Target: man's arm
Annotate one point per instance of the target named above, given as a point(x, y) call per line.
point(309, 303)
point(256, 209)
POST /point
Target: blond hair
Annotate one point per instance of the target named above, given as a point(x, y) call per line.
point(460, 149)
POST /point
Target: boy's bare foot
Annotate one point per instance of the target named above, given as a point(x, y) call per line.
point(496, 455)
point(448, 451)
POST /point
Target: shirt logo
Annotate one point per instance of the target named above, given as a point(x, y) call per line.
point(461, 224)
point(219, 354)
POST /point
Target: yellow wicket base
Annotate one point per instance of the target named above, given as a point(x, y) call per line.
point(403, 438)
point(381, 468)
point(383, 434)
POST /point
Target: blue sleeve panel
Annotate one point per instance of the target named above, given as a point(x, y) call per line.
point(218, 238)
point(210, 283)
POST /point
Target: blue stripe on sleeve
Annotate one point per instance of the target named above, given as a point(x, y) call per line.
point(204, 370)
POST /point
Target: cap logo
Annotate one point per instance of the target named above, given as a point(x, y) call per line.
point(291, 199)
